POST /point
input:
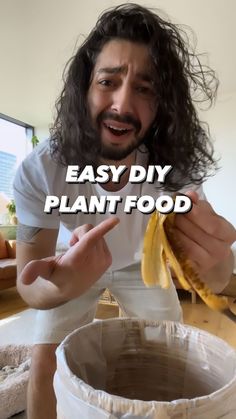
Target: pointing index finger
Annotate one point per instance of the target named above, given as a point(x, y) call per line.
point(97, 233)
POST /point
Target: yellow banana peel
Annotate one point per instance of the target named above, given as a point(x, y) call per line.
point(161, 248)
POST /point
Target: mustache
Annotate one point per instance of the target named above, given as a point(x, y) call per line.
point(128, 119)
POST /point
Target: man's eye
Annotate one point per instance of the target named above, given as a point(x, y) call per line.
point(144, 90)
point(105, 82)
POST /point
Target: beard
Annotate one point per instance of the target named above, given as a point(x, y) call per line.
point(111, 152)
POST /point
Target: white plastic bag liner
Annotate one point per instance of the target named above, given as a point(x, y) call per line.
point(130, 368)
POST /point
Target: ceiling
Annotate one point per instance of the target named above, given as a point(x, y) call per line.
point(38, 37)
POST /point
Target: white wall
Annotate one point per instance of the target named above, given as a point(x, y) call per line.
point(220, 189)
point(42, 133)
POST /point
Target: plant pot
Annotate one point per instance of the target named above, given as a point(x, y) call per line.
point(13, 219)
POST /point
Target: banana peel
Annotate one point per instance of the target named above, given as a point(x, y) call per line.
point(161, 248)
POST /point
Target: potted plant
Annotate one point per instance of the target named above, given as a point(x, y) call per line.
point(34, 141)
point(11, 207)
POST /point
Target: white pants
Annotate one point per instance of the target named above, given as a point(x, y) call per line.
point(134, 298)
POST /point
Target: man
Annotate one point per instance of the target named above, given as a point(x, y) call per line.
point(127, 100)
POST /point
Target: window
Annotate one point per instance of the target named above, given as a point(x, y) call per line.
point(15, 144)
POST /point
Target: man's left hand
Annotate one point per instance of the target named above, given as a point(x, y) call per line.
point(206, 237)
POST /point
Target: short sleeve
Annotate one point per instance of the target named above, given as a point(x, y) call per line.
point(30, 191)
point(195, 188)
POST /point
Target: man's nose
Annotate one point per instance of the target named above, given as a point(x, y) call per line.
point(123, 100)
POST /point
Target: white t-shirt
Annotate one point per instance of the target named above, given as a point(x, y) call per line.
point(40, 176)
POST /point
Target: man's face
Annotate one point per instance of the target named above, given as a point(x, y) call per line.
point(121, 97)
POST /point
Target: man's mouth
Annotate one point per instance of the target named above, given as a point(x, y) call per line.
point(117, 130)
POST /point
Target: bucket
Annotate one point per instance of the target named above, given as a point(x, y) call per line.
point(131, 368)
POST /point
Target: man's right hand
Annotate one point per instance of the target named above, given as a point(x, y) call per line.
point(75, 271)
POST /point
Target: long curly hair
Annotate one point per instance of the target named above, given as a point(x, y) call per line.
point(176, 137)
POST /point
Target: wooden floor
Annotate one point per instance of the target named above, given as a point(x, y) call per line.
point(10, 303)
point(197, 315)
